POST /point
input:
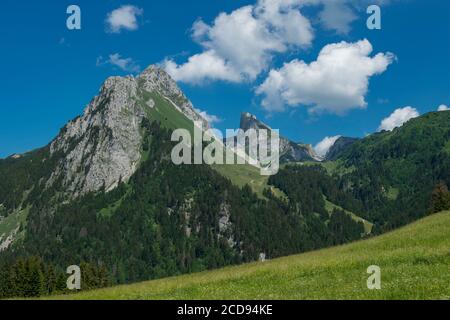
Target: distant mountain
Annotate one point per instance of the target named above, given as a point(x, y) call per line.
point(289, 151)
point(339, 147)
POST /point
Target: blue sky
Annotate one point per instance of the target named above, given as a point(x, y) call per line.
point(50, 73)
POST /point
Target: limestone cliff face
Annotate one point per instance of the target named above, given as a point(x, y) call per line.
point(103, 146)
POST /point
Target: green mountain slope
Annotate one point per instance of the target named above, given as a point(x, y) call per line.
point(414, 264)
point(393, 174)
point(167, 114)
point(330, 207)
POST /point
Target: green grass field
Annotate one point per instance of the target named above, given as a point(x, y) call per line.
point(414, 262)
point(246, 174)
point(165, 113)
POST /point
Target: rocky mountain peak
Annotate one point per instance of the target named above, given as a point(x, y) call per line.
point(249, 121)
point(289, 150)
point(102, 147)
point(156, 79)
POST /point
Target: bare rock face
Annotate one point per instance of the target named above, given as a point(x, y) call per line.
point(103, 146)
point(289, 151)
point(225, 225)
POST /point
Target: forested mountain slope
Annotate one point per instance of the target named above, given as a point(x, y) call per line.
point(394, 174)
point(413, 262)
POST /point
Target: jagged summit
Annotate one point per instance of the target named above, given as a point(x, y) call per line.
point(156, 79)
point(289, 150)
point(249, 121)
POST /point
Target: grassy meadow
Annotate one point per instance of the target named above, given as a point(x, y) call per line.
point(414, 262)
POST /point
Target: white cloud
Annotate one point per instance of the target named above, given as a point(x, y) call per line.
point(443, 107)
point(241, 44)
point(244, 42)
point(336, 82)
point(124, 17)
point(324, 146)
point(212, 119)
point(286, 20)
point(202, 67)
point(116, 60)
point(398, 118)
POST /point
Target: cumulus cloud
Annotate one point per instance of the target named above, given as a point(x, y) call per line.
point(202, 67)
point(336, 82)
point(116, 60)
point(241, 44)
point(324, 146)
point(123, 18)
point(398, 118)
point(287, 21)
point(443, 107)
